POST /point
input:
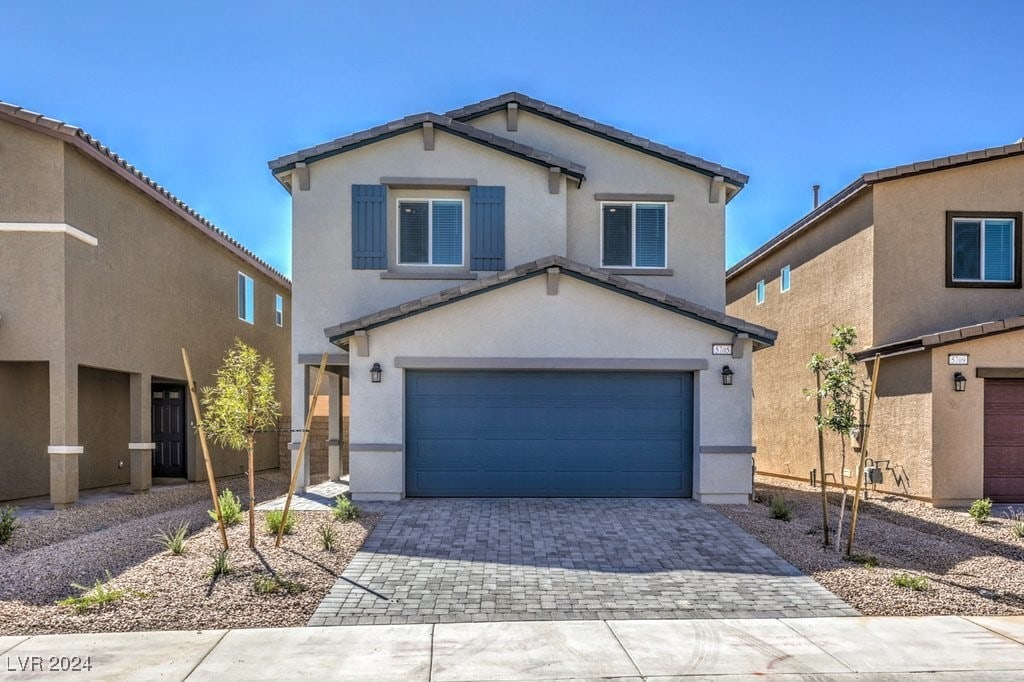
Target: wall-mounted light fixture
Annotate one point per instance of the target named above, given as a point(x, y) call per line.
point(959, 382)
point(375, 373)
point(726, 376)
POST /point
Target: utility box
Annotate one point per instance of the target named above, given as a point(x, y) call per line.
point(872, 475)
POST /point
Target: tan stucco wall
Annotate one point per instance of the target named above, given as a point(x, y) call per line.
point(831, 289)
point(958, 418)
point(696, 227)
point(910, 253)
point(103, 427)
point(24, 429)
point(31, 175)
point(32, 296)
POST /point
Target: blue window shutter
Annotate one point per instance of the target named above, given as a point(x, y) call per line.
point(369, 227)
point(487, 228)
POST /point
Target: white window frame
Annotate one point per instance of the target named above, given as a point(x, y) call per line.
point(244, 284)
point(785, 279)
point(279, 310)
point(981, 252)
point(430, 233)
point(632, 256)
point(759, 291)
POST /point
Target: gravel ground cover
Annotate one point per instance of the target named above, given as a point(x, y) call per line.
point(162, 591)
point(970, 568)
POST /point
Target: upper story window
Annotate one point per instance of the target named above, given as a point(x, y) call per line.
point(633, 235)
point(246, 302)
point(759, 292)
point(983, 249)
point(430, 232)
point(784, 279)
point(279, 310)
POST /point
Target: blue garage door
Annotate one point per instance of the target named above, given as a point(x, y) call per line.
point(548, 434)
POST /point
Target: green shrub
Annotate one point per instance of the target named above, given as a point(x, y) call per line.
point(917, 583)
point(273, 585)
point(328, 538)
point(173, 539)
point(97, 595)
point(865, 560)
point(1016, 522)
point(344, 510)
point(980, 510)
point(8, 523)
point(230, 508)
point(221, 565)
point(780, 508)
point(272, 521)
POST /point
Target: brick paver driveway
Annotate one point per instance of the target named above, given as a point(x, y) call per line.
point(464, 560)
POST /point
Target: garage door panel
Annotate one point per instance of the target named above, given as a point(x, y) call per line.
point(1004, 440)
point(475, 433)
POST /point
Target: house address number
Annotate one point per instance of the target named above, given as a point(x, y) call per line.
point(721, 349)
point(958, 358)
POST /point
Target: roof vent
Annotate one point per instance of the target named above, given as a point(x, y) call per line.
point(815, 189)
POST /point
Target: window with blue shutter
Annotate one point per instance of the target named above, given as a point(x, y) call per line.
point(633, 235)
point(983, 250)
point(369, 227)
point(430, 232)
point(487, 228)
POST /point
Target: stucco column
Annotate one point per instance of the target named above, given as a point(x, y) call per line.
point(300, 408)
point(64, 449)
point(334, 427)
point(141, 447)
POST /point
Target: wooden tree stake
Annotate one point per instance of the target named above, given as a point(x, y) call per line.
point(302, 449)
point(821, 464)
point(863, 454)
point(206, 450)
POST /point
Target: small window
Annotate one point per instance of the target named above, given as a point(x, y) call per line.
point(784, 279)
point(983, 250)
point(760, 292)
point(279, 310)
point(430, 232)
point(633, 235)
point(246, 307)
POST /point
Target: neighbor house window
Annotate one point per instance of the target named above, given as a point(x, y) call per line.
point(760, 292)
point(633, 235)
point(279, 310)
point(430, 232)
point(784, 279)
point(983, 249)
point(246, 307)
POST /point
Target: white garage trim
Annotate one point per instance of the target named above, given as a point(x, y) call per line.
point(611, 364)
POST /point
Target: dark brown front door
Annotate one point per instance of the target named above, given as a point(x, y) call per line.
point(169, 431)
point(1004, 440)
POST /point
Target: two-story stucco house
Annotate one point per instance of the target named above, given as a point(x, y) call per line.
point(925, 261)
point(522, 302)
point(104, 277)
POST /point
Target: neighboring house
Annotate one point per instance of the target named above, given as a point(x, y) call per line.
point(104, 277)
point(925, 261)
point(529, 302)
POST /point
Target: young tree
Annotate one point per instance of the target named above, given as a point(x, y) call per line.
point(240, 405)
point(840, 390)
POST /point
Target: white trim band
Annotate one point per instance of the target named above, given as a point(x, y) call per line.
point(142, 446)
point(69, 230)
point(65, 450)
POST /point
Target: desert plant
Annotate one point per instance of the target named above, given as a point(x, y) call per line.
point(780, 509)
point(8, 524)
point(328, 538)
point(344, 509)
point(221, 565)
point(865, 560)
point(173, 539)
point(981, 510)
point(97, 595)
point(1016, 518)
point(917, 583)
point(230, 508)
point(273, 585)
point(273, 522)
point(240, 405)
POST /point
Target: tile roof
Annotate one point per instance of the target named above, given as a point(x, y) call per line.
point(761, 335)
point(97, 150)
point(864, 182)
point(403, 125)
point(942, 338)
point(628, 139)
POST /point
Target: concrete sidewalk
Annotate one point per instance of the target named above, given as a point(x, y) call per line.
point(953, 648)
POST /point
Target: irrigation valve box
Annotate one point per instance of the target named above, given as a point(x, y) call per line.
point(872, 475)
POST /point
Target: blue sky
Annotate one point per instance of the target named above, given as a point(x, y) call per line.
point(200, 95)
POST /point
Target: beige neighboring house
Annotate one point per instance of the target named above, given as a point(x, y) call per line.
point(104, 277)
point(520, 301)
point(925, 261)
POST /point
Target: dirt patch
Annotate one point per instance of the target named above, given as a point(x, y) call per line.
point(971, 568)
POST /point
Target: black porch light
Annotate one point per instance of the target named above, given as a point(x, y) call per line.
point(726, 376)
point(959, 382)
point(375, 373)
